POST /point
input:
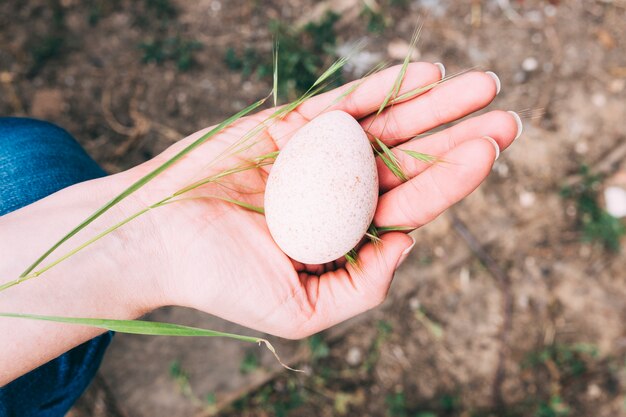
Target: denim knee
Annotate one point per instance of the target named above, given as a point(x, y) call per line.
point(37, 159)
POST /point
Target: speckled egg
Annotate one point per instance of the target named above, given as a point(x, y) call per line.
point(322, 190)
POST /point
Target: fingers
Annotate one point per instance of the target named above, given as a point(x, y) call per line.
point(500, 125)
point(445, 103)
point(343, 294)
point(423, 198)
point(370, 94)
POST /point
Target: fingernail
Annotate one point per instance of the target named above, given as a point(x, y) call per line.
point(495, 145)
point(496, 79)
point(520, 126)
point(405, 253)
point(442, 69)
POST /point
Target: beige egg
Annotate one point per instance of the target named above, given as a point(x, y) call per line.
point(322, 190)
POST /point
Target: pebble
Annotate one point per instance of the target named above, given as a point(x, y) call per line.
point(501, 169)
point(615, 200)
point(581, 147)
point(354, 356)
point(593, 391)
point(530, 64)
point(527, 198)
point(598, 100)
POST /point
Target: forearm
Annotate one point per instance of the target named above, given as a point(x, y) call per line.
point(108, 279)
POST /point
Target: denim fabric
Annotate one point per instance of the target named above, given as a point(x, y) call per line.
point(37, 159)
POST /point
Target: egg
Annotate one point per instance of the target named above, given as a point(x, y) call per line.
point(322, 190)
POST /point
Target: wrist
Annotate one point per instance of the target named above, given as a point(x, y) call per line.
point(114, 277)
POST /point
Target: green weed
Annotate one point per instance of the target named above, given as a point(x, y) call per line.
point(51, 44)
point(249, 363)
point(167, 41)
point(375, 20)
point(596, 224)
point(181, 378)
point(570, 360)
point(176, 49)
point(304, 53)
point(553, 408)
point(318, 347)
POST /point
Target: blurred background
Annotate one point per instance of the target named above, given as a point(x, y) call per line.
point(512, 304)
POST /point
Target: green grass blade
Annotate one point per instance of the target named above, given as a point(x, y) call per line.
point(390, 160)
point(143, 181)
point(395, 90)
point(352, 258)
point(267, 156)
point(275, 89)
point(149, 328)
point(330, 71)
point(383, 229)
point(423, 157)
point(242, 204)
point(424, 89)
point(142, 327)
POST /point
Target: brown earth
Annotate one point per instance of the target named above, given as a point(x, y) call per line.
point(501, 308)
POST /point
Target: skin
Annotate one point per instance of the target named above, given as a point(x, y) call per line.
point(216, 257)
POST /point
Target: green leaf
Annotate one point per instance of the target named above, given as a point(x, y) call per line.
point(424, 157)
point(390, 160)
point(239, 203)
point(400, 78)
point(275, 78)
point(149, 328)
point(384, 229)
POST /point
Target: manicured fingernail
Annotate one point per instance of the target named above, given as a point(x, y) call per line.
point(520, 126)
point(495, 145)
point(442, 69)
point(496, 79)
point(405, 253)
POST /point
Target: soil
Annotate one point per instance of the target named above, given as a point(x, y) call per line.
point(502, 308)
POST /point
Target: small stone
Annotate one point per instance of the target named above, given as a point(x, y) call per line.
point(523, 301)
point(615, 200)
point(593, 391)
point(414, 303)
point(354, 356)
point(216, 6)
point(464, 278)
point(598, 100)
point(581, 147)
point(527, 199)
point(501, 169)
point(530, 64)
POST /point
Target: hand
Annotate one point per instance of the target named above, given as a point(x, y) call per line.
point(220, 258)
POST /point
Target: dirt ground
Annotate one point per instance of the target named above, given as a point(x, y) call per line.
point(502, 309)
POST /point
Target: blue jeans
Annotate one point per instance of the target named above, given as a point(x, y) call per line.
point(37, 159)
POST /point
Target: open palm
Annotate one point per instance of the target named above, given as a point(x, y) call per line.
point(221, 257)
